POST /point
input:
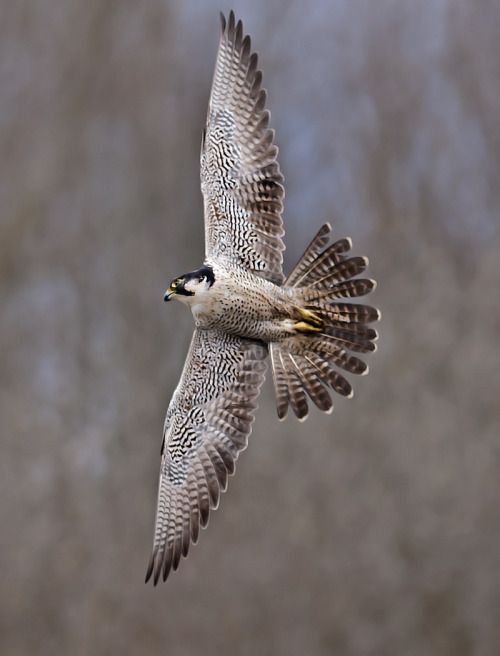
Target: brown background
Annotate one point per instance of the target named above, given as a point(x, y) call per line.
point(372, 531)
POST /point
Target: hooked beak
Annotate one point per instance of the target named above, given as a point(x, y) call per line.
point(168, 294)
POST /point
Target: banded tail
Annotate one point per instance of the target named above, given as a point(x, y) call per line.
point(329, 330)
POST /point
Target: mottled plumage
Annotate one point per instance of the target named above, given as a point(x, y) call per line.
point(240, 178)
point(244, 309)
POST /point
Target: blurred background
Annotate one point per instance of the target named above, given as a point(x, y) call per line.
point(374, 531)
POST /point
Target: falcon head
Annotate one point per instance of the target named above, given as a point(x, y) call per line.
point(194, 283)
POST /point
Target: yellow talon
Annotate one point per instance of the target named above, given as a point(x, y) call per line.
point(304, 327)
point(311, 318)
point(310, 324)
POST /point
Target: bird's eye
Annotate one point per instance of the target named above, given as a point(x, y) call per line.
point(174, 283)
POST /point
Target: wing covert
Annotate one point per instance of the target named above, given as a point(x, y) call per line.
point(208, 422)
point(240, 177)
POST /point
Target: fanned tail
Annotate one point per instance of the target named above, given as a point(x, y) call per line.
point(328, 331)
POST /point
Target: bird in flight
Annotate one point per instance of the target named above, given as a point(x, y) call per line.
point(244, 309)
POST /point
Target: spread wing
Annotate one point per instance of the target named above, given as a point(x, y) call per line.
point(208, 422)
point(240, 177)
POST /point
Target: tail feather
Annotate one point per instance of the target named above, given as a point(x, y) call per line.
point(352, 341)
point(335, 380)
point(311, 380)
point(297, 395)
point(333, 270)
point(280, 382)
point(352, 288)
point(305, 363)
point(332, 288)
point(311, 253)
point(332, 265)
point(328, 347)
point(353, 328)
point(345, 313)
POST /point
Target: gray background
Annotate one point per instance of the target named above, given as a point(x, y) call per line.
point(374, 531)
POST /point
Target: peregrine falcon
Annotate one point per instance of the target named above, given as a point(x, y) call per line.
point(245, 309)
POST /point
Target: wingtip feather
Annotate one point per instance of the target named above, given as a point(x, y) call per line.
point(151, 564)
